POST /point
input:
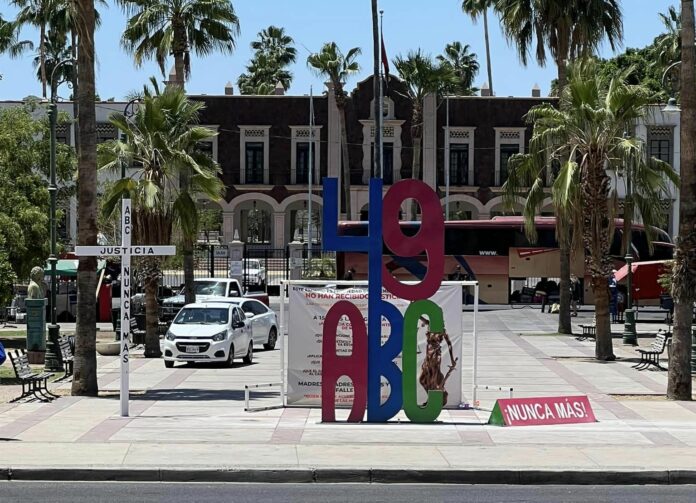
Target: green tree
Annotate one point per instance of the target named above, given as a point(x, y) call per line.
point(476, 8)
point(587, 135)
point(9, 41)
point(162, 137)
point(567, 29)
point(85, 372)
point(422, 76)
point(262, 75)
point(56, 50)
point(463, 65)
point(274, 52)
point(23, 191)
point(157, 29)
point(668, 45)
point(37, 13)
point(332, 64)
point(679, 382)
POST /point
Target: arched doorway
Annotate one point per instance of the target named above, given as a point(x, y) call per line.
point(255, 223)
point(297, 222)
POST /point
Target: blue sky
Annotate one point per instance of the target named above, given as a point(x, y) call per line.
point(408, 24)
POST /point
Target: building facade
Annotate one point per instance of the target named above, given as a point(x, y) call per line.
point(266, 148)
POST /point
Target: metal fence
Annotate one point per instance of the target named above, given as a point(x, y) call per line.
point(273, 261)
point(209, 261)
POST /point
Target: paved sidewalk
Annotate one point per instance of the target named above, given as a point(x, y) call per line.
point(190, 420)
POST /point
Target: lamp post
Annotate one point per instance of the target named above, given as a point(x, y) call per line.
point(629, 333)
point(53, 359)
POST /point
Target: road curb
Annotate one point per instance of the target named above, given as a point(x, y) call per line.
point(351, 475)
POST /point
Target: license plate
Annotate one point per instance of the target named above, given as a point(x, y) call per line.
point(192, 349)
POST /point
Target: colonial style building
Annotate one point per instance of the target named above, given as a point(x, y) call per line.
point(263, 147)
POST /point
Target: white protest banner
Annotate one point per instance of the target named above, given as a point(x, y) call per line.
point(307, 311)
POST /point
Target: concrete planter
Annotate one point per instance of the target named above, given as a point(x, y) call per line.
point(109, 348)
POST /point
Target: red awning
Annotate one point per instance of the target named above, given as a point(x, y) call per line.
point(645, 276)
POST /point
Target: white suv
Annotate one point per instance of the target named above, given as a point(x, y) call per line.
point(208, 332)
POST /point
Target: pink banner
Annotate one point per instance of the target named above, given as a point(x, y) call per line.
point(542, 410)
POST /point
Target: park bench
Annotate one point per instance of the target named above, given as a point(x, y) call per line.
point(66, 352)
point(32, 383)
point(652, 356)
point(588, 332)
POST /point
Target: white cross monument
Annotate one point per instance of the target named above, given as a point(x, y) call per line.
point(125, 251)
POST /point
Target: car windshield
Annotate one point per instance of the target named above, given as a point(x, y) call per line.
point(252, 264)
point(216, 288)
point(202, 316)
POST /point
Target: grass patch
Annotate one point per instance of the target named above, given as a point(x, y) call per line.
point(12, 333)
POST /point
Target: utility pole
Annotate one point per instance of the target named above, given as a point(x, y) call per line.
point(310, 175)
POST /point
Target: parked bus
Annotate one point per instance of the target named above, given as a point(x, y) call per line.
point(498, 254)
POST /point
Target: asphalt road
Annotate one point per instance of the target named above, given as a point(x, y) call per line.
point(77, 492)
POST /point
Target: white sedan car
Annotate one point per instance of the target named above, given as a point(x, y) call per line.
point(254, 272)
point(208, 332)
point(264, 323)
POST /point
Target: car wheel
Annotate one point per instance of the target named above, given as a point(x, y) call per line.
point(272, 338)
point(169, 364)
point(249, 358)
point(230, 356)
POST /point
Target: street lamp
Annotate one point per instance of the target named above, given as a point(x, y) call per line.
point(53, 360)
point(629, 333)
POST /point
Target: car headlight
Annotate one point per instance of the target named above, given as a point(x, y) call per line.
point(170, 336)
point(220, 336)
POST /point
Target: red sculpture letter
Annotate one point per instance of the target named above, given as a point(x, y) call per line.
point(353, 366)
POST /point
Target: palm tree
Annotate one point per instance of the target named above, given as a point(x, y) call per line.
point(274, 42)
point(56, 50)
point(161, 138)
point(464, 66)
point(683, 279)
point(64, 18)
point(668, 45)
point(160, 28)
point(476, 8)
point(9, 42)
point(586, 134)
point(262, 75)
point(332, 64)
point(37, 13)
point(274, 52)
point(85, 373)
point(422, 76)
point(568, 29)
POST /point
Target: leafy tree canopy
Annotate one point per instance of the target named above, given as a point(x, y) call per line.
point(24, 223)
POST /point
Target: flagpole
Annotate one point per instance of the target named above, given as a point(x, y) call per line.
point(381, 98)
point(376, 104)
point(310, 174)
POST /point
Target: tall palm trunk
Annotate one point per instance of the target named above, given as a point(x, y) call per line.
point(188, 239)
point(345, 157)
point(488, 51)
point(75, 88)
point(683, 280)
point(42, 58)
point(596, 237)
point(151, 266)
point(85, 372)
point(563, 232)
